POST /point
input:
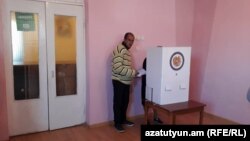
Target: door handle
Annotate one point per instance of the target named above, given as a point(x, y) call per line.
point(52, 74)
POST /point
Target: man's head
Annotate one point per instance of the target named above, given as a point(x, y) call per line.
point(128, 40)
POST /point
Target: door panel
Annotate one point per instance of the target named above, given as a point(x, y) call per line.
point(27, 94)
point(66, 65)
point(65, 54)
point(25, 54)
point(44, 71)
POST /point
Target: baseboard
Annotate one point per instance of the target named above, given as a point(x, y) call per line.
point(111, 122)
point(219, 117)
point(141, 116)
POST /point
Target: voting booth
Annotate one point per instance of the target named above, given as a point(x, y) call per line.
point(168, 74)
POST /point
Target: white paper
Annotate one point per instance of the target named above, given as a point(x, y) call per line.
point(141, 72)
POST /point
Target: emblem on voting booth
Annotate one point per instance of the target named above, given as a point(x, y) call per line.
point(168, 71)
point(177, 61)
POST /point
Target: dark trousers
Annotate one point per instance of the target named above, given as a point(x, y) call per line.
point(120, 101)
point(143, 90)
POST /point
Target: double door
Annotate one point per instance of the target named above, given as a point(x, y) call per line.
point(45, 66)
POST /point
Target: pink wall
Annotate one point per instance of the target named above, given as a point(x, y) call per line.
point(227, 71)
point(184, 22)
point(3, 109)
point(202, 27)
point(107, 22)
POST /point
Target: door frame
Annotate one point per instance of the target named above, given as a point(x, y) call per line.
point(8, 61)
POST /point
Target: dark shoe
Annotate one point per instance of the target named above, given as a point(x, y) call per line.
point(128, 123)
point(157, 120)
point(119, 128)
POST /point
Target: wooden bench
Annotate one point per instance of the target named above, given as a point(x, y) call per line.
point(175, 109)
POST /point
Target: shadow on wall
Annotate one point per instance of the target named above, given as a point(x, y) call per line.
point(109, 87)
point(248, 95)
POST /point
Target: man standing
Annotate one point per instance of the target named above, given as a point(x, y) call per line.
point(122, 76)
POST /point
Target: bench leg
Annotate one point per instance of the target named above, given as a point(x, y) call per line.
point(201, 116)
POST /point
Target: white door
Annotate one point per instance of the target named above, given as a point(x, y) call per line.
point(42, 94)
point(66, 65)
point(27, 96)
